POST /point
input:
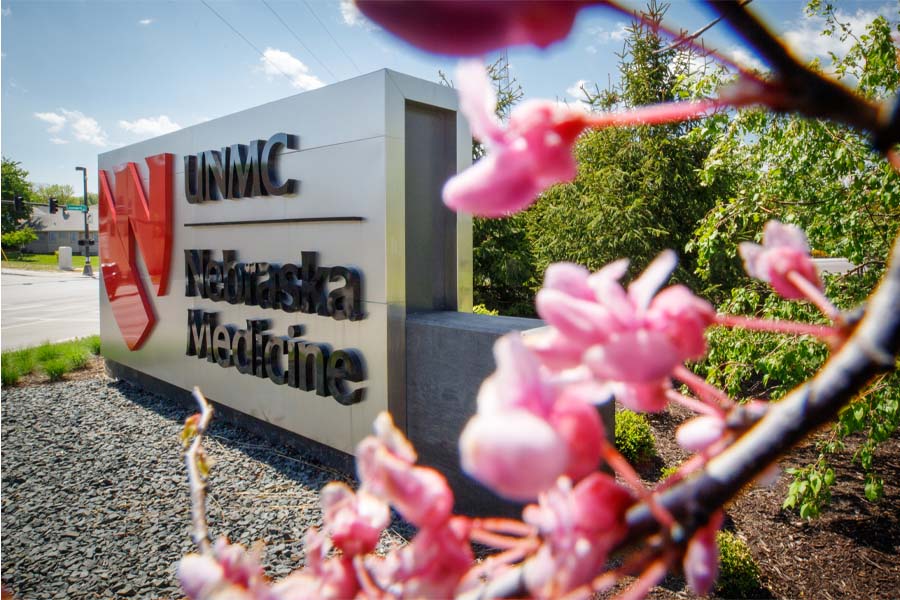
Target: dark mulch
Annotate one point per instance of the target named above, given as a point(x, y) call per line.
point(850, 551)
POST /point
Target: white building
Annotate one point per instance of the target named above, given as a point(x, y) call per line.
point(63, 228)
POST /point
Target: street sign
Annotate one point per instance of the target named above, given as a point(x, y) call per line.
point(76, 207)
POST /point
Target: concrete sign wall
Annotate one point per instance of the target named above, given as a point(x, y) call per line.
point(270, 257)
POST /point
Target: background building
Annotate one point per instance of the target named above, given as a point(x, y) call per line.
point(63, 228)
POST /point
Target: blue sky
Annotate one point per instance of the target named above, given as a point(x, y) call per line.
point(83, 77)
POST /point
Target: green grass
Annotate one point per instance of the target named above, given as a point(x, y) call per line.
point(45, 262)
point(53, 360)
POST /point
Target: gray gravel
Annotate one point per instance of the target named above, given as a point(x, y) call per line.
point(95, 496)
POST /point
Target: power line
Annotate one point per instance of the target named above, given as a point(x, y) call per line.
point(249, 43)
point(341, 48)
point(296, 37)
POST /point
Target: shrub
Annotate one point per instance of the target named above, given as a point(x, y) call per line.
point(667, 472)
point(55, 368)
point(46, 351)
point(10, 375)
point(738, 571)
point(634, 438)
point(75, 354)
point(481, 309)
point(18, 239)
point(93, 344)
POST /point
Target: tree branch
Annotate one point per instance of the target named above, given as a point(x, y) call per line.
point(871, 350)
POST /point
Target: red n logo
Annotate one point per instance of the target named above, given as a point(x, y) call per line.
point(128, 222)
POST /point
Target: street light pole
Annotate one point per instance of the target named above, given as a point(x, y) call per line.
point(87, 234)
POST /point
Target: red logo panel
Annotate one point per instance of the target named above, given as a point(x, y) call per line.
point(128, 221)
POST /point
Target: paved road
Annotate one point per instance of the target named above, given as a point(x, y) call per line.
point(39, 306)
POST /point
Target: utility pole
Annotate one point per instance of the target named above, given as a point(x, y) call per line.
point(87, 234)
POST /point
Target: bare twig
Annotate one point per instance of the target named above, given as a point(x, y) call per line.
point(684, 39)
point(871, 350)
point(195, 460)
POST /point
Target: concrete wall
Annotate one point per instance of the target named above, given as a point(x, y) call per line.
point(448, 355)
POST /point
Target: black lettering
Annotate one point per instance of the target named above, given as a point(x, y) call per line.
point(200, 324)
point(242, 350)
point(274, 354)
point(289, 288)
point(244, 170)
point(344, 302)
point(345, 365)
point(306, 366)
point(221, 345)
point(215, 178)
point(268, 172)
point(192, 188)
point(213, 281)
point(194, 272)
point(233, 277)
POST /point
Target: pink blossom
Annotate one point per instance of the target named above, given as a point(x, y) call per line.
point(533, 152)
point(386, 469)
point(321, 577)
point(579, 526)
point(354, 520)
point(784, 251)
point(529, 429)
point(431, 566)
point(701, 561)
point(631, 338)
point(472, 28)
point(699, 433)
point(228, 572)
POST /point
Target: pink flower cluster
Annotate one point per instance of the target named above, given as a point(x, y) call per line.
point(782, 260)
point(630, 338)
point(430, 566)
point(536, 417)
point(473, 28)
point(531, 153)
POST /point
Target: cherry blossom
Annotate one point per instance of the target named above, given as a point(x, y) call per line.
point(782, 260)
point(531, 153)
point(631, 338)
point(354, 520)
point(701, 560)
point(386, 468)
point(472, 28)
point(579, 526)
point(322, 577)
point(228, 572)
point(431, 566)
point(529, 428)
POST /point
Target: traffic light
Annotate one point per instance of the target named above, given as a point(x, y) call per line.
point(19, 204)
point(54, 205)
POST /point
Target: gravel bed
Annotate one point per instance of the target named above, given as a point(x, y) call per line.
point(95, 499)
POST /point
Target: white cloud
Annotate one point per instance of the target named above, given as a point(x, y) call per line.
point(85, 128)
point(278, 62)
point(150, 126)
point(57, 121)
point(351, 15)
point(605, 36)
point(58, 141)
point(591, 49)
point(805, 38)
point(82, 127)
point(146, 21)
